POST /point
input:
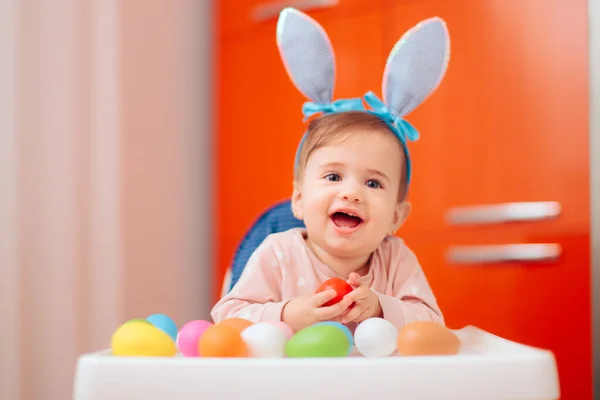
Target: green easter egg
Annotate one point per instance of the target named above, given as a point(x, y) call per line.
point(141, 338)
point(318, 341)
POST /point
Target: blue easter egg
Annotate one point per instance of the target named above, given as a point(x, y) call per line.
point(164, 323)
point(343, 327)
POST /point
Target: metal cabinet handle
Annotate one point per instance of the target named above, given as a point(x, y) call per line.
point(267, 11)
point(503, 253)
point(502, 213)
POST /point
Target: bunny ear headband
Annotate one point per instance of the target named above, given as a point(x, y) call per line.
point(414, 69)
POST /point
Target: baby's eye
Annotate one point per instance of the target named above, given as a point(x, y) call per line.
point(373, 184)
point(333, 177)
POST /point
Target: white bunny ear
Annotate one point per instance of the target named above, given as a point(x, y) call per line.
point(307, 55)
point(416, 66)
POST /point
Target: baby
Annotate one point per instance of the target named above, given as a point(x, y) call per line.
point(351, 179)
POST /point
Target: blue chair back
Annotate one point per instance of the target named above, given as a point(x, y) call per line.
point(277, 218)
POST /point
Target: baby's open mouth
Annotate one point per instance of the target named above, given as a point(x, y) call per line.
point(345, 220)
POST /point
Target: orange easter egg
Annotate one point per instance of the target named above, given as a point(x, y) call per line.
point(422, 338)
point(222, 340)
point(237, 323)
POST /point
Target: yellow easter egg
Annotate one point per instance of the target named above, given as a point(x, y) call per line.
point(139, 338)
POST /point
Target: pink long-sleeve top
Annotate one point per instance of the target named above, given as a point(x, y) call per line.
point(284, 267)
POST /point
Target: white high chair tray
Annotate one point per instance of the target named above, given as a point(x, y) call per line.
point(487, 367)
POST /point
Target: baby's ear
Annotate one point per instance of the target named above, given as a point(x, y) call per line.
point(296, 201)
point(401, 212)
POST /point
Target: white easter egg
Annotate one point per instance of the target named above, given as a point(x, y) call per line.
point(264, 340)
point(376, 337)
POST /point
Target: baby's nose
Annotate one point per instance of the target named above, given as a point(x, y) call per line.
point(351, 195)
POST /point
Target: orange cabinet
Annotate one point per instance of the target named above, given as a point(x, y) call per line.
point(508, 124)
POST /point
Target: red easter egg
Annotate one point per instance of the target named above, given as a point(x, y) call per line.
point(340, 286)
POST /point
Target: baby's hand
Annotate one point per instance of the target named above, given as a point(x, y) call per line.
point(308, 309)
point(366, 302)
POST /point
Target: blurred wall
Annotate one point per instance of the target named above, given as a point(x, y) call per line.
point(105, 166)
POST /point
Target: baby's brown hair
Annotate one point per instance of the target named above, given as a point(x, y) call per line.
point(335, 128)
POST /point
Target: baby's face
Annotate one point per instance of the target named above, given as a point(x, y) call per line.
point(348, 196)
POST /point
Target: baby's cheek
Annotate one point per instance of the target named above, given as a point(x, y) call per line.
point(316, 208)
point(382, 209)
point(382, 219)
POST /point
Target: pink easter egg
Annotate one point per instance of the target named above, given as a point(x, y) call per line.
point(287, 331)
point(189, 335)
